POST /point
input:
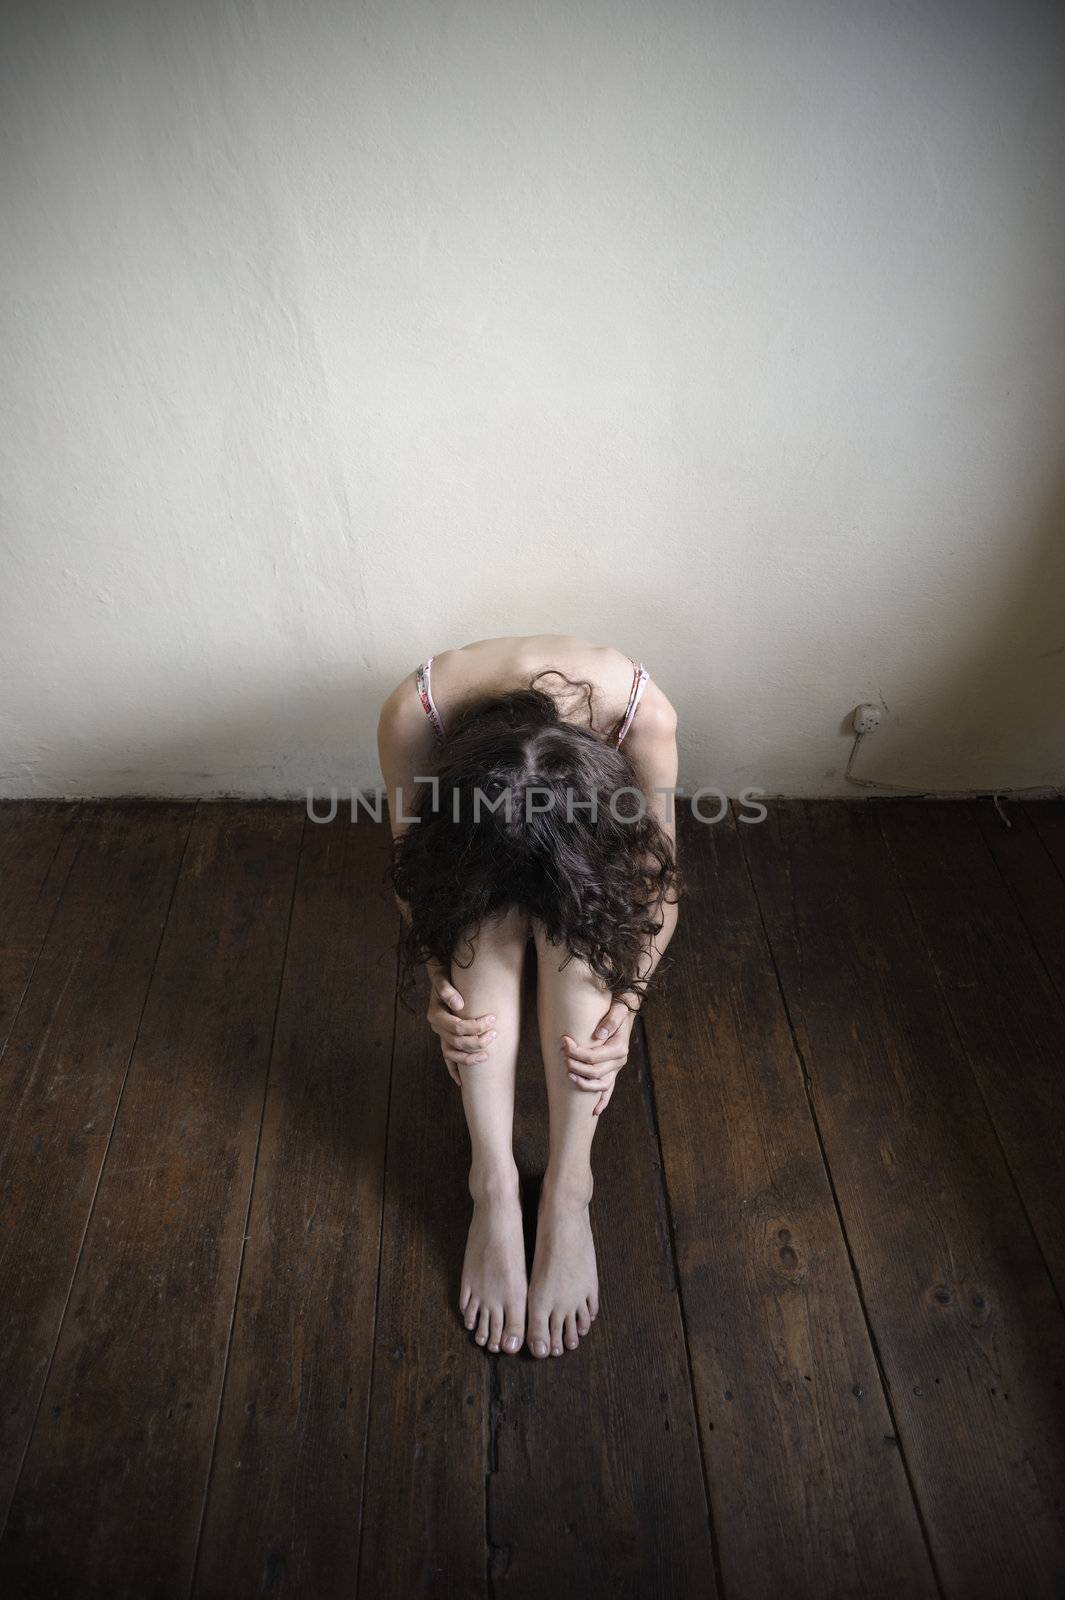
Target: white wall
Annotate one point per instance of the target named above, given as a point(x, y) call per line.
point(730, 333)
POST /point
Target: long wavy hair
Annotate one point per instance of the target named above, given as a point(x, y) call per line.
point(500, 831)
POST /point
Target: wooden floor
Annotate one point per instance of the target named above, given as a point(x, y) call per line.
point(829, 1213)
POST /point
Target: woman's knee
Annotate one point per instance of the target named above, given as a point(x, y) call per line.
point(503, 933)
point(546, 945)
point(561, 969)
point(511, 925)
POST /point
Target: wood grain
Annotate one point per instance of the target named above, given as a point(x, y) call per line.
point(284, 1509)
point(827, 1197)
point(808, 1487)
point(424, 1509)
point(63, 1075)
point(967, 1324)
point(595, 1483)
point(1030, 855)
point(1008, 1016)
point(38, 843)
point(112, 1490)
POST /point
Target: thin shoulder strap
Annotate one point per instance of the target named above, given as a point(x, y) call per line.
point(639, 684)
point(425, 694)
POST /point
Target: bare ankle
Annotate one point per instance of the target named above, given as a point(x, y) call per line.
point(571, 1187)
point(494, 1181)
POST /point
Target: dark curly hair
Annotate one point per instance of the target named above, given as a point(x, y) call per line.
point(500, 832)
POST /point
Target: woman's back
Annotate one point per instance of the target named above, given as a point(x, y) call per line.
point(447, 681)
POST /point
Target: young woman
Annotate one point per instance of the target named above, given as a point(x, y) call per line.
point(525, 781)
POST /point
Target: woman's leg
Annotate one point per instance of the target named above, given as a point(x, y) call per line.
point(564, 1288)
point(493, 1290)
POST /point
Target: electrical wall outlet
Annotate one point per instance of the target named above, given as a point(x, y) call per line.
point(866, 719)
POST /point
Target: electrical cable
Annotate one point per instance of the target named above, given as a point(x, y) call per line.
point(1046, 790)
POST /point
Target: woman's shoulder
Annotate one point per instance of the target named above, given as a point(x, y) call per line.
point(400, 704)
point(656, 717)
point(513, 661)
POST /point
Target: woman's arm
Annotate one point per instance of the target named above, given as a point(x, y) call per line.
point(405, 747)
point(405, 740)
point(651, 745)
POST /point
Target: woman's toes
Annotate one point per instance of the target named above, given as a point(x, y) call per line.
point(593, 1307)
point(464, 1298)
point(495, 1328)
point(470, 1316)
point(555, 1326)
point(513, 1331)
point(481, 1336)
point(583, 1320)
point(538, 1336)
point(569, 1332)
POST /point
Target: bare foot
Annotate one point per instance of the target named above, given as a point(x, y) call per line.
point(492, 1297)
point(564, 1287)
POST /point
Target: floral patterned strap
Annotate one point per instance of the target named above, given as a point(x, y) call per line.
point(639, 684)
point(425, 694)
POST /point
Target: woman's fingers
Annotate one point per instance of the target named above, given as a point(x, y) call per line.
point(464, 1035)
point(448, 994)
point(620, 1012)
point(596, 1074)
point(593, 1085)
point(595, 1055)
point(611, 1023)
point(463, 1040)
point(466, 1038)
point(468, 1046)
point(460, 1025)
point(594, 1067)
point(456, 1062)
point(461, 1028)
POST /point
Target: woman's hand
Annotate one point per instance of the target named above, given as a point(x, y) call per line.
point(595, 1066)
point(461, 1038)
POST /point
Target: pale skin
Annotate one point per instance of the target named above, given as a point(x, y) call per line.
point(584, 1031)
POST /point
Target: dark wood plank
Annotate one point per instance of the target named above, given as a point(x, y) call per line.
point(283, 1514)
point(38, 843)
point(596, 1483)
point(112, 1489)
point(423, 1514)
point(62, 1078)
point(1048, 817)
point(1006, 1010)
point(1030, 854)
point(807, 1484)
point(967, 1324)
